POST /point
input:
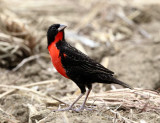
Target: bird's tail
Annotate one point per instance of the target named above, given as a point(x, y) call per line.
point(112, 80)
point(116, 81)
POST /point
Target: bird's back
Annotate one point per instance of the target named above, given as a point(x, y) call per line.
point(78, 66)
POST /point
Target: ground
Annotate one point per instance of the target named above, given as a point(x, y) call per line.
point(122, 36)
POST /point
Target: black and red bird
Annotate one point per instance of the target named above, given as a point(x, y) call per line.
point(74, 65)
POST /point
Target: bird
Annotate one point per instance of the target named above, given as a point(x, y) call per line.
point(76, 66)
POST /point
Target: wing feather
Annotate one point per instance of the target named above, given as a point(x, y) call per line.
point(77, 58)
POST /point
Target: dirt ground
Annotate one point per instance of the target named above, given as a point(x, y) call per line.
point(123, 36)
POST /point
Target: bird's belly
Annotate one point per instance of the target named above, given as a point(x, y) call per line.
point(56, 60)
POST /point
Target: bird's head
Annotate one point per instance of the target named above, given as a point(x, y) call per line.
point(55, 33)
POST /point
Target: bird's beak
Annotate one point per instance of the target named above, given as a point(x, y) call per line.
point(62, 27)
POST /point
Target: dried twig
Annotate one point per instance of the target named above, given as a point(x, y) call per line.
point(133, 25)
point(28, 85)
point(6, 117)
point(120, 117)
point(66, 120)
point(83, 39)
point(91, 15)
point(23, 89)
point(28, 59)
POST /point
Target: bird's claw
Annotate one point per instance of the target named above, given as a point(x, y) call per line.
point(82, 108)
point(64, 109)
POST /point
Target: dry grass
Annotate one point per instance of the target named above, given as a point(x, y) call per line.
point(143, 100)
point(91, 24)
point(17, 40)
point(112, 101)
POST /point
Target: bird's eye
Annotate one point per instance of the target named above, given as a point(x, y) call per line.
point(53, 28)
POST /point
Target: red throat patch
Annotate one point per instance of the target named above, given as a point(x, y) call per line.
point(54, 53)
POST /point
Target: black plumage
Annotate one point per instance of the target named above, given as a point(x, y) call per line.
point(79, 67)
point(83, 70)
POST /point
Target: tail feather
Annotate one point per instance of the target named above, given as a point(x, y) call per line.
point(116, 81)
point(103, 78)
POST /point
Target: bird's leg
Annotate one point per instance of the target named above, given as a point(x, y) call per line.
point(84, 103)
point(70, 107)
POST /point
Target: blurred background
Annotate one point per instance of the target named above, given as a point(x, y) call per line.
point(122, 35)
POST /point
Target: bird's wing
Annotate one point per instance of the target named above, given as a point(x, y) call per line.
point(78, 59)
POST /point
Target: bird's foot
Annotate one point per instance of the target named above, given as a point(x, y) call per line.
point(65, 109)
point(83, 108)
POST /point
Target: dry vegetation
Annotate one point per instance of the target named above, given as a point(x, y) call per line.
point(122, 35)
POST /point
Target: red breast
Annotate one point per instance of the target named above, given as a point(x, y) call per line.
point(54, 53)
